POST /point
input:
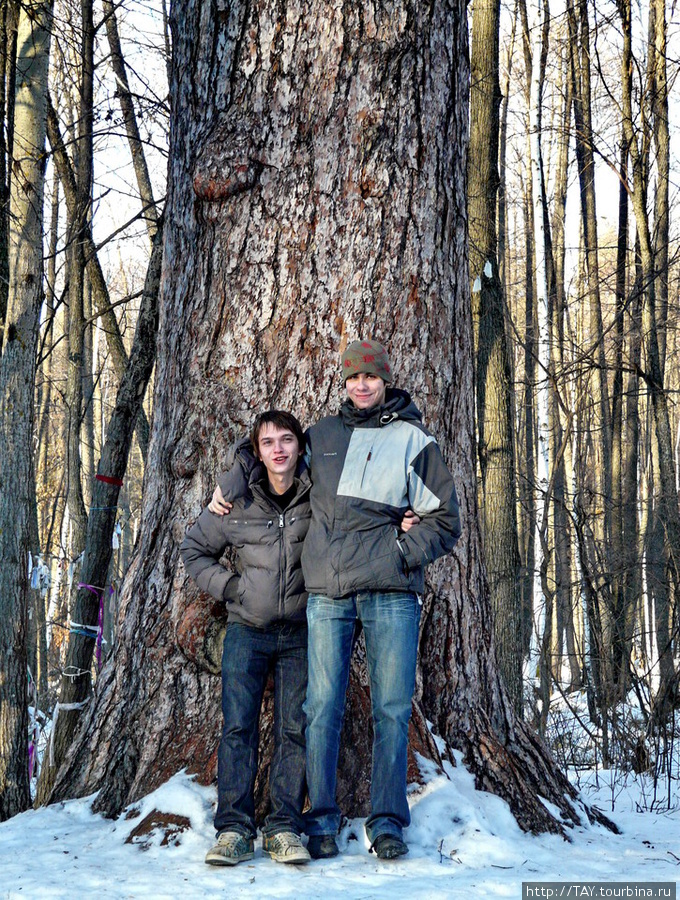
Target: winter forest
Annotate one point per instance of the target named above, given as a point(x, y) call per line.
point(201, 204)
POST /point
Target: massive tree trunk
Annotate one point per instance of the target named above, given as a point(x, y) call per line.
point(17, 379)
point(316, 193)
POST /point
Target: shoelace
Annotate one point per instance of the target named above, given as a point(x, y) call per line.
point(287, 843)
point(230, 841)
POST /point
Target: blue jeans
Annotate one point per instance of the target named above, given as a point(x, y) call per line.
point(390, 622)
point(249, 655)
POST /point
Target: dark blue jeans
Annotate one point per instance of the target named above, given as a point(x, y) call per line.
point(249, 655)
point(390, 621)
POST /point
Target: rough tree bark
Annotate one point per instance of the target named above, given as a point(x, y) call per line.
point(316, 192)
point(9, 17)
point(78, 227)
point(17, 379)
point(494, 386)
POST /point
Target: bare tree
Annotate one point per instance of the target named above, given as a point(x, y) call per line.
point(91, 594)
point(17, 379)
point(494, 388)
point(666, 505)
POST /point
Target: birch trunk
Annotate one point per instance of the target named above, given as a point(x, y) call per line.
point(537, 661)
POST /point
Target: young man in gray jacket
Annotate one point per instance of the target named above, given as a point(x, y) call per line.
point(370, 464)
point(266, 600)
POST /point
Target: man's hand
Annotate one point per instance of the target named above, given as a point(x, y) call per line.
point(218, 504)
point(410, 519)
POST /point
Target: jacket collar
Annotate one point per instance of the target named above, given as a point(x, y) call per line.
point(257, 481)
point(397, 405)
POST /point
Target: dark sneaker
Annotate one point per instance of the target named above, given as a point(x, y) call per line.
point(231, 848)
point(285, 847)
point(322, 846)
point(389, 846)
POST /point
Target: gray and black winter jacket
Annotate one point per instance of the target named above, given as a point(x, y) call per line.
point(269, 586)
point(368, 467)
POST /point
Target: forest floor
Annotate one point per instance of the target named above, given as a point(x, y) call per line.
point(463, 844)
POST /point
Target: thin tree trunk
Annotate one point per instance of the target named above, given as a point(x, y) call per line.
point(667, 509)
point(494, 389)
point(17, 380)
point(78, 227)
point(560, 427)
point(502, 152)
point(9, 18)
point(598, 390)
point(624, 449)
point(659, 108)
point(630, 502)
point(527, 521)
point(541, 597)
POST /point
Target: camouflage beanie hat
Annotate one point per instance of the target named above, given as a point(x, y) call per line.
point(369, 357)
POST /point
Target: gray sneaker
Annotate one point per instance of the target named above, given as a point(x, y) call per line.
point(285, 847)
point(231, 848)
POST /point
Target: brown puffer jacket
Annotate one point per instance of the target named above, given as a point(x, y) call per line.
point(269, 586)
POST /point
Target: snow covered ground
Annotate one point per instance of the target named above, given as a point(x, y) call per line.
point(463, 843)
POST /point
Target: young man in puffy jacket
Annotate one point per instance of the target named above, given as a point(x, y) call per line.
point(363, 560)
point(266, 600)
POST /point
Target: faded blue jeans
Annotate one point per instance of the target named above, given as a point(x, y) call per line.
point(390, 622)
point(248, 657)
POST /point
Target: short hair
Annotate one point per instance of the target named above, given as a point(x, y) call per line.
point(279, 418)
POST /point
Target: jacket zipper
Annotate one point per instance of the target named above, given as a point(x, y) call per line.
point(282, 566)
point(366, 462)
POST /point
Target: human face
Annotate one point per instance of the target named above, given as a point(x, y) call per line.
point(366, 390)
point(279, 450)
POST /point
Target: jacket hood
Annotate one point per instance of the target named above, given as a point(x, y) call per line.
point(397, 405)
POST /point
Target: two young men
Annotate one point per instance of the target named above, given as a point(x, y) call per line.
point(363, 560)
